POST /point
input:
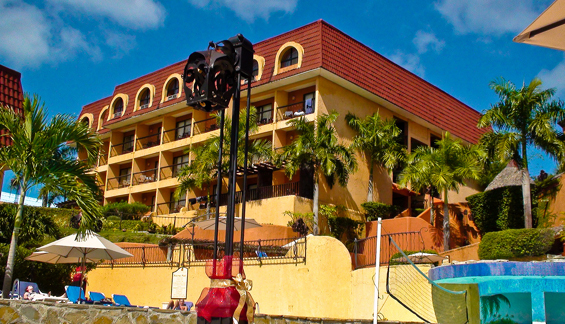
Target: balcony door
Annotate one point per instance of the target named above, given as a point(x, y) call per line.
point(178, 163)
point(183, 128)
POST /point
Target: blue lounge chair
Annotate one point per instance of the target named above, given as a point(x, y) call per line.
point(73, 294)
point(19, 289)
point(122, 300)
point(99, 298)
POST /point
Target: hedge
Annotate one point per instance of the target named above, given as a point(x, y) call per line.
point(498, 209)
point(374, 210)
point(515, 243)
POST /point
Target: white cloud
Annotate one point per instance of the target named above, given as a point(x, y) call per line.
point(121, 43)
point(425, 41)
point(554, 78)
point(24, 34)
point(490, 17)
point(410, 62)
point(135, 14)
point(249, 9)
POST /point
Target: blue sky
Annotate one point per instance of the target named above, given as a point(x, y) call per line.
point(73, 52)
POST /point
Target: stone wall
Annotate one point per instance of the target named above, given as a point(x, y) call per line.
point(17, 311)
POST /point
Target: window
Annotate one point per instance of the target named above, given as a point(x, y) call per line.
point(414, 144)
point(118, 108)
point(103, 118)
point(125, 175)
point(265, 114)
point(173, 89)
point(183, 128)
point(176, 204)
point(433, 141)
point(255, 72)
point(144, 99)
point(178, 163)
point(127, 143)
point(309, 103)
point(290, 57)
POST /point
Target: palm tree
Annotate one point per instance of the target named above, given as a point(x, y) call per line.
point(377, 140)
point(524, 117)
point(317, 148)
point(38, 156)
point(444, 168)
point(203, 170)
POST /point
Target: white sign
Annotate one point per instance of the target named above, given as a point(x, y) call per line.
point(179, 283)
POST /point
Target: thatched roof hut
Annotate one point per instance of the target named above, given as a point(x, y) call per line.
point(511, 175)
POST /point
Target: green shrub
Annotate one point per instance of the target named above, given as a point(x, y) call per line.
point(514, 243)
point(37, 222)
point(130, 225)
point(113, 218)
point(498, 209)
point(374, 210)
point(125, 210)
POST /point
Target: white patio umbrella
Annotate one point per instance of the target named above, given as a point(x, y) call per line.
point(421, 257)
point(48, 257)
point(548, 30)
point(91, 247)
point(209, 224)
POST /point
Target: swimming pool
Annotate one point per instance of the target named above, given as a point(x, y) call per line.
point(509, 292)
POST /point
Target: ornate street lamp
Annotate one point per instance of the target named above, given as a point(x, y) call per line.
point(211, 79)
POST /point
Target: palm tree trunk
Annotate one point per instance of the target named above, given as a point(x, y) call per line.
point(446, 234)
point(370, 190)
point(316, 228)
point(7, 286)
point(431, 208)
point(526, 193)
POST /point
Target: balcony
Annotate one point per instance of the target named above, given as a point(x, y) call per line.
point(280, 190)
point(119, 182)
point(148, 141)
point(103, 159)
point(205, 125)
point(295, 110)
point(176, 134)
point(146, 176)
point(265, 117)
point(169, 207)
point(171, 171)
point(122, 148)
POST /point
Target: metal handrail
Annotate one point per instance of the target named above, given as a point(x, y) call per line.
point(166, 208)
point(292, 110)
point(198, 124)
point(103, 159)
point(174, 173)
point(146, 176)
point(114, 151)
point(119, 182)
point(176, 136)
point(264, 121)
point(143, 143)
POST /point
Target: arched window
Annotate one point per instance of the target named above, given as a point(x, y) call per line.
point(118, 108)
point(144, 99)
point(85, 121)
point(103, 118)
point(173, 89)
point(255, 72)
point(290, 57)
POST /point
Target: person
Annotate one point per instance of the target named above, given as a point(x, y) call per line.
point(76, 277)
point(28, 295)
point(182, 306)
point(171, 304)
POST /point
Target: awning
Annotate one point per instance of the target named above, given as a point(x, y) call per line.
point(403, 191)
point(548, 30)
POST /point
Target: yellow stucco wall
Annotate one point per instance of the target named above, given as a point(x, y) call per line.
point(325, 286)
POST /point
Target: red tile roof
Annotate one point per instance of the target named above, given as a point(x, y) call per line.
point(328, 48)
point(11, 94)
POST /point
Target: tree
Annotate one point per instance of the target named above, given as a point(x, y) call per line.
point(203, 170)
point(377, 141)
point(444, 168)
point(39, 155)
point(317, 148)
point(524, 117)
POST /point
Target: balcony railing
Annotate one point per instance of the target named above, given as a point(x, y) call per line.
point(171, 171)
point(260, 252)
point(262, 119)
point(206, 125)
point(119, 182)
point(294, 110)
point(170, 207)
point(176, 134)
point(103, 159)
point(146, 176)
point(122, 148)
point(364, 249)
point(280, 190)
point(148, 141)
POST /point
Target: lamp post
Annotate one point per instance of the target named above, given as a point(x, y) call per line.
point(212, 78)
